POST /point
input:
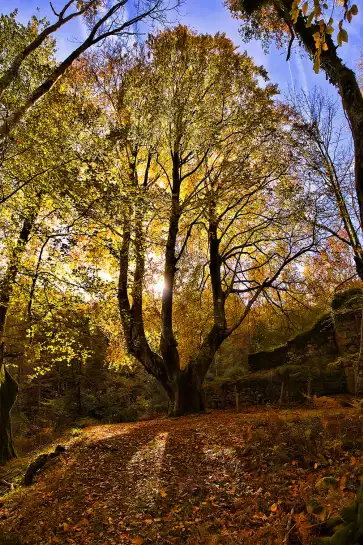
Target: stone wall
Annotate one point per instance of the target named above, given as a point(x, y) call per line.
point(320, 361)
point(336, 334)
point(318, 344)
point(289, 384)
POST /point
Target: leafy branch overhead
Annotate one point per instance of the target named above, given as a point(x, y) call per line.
point(319, 16)
point(104, 21)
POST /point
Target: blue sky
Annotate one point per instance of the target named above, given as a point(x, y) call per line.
point(211, 16)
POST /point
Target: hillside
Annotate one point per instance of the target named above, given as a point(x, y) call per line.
point(219, 478)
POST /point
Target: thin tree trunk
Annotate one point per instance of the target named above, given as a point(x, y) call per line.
point(8, 386)
point(342, 207)
point(8, 393)
point(168, 343)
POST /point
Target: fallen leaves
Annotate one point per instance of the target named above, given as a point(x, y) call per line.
point(191, 480)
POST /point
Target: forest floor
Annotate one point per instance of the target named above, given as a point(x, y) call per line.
point(219, 478)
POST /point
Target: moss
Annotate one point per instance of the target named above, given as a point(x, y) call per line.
point(320, 334)
point(351, 298)
point(351, 531)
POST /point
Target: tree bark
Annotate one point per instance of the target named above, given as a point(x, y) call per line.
point(168, 342)
point(188, 395)
point(8, 393)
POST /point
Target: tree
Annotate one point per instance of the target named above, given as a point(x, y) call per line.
point(203, 163)
point(113, 22)
point(326, 149)
point(312, 25)
point(36, 173)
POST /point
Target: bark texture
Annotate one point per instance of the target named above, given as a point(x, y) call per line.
point(8, 393)
point(189, 396)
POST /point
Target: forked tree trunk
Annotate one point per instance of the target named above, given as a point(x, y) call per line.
point(8, 393)
point(184, 387)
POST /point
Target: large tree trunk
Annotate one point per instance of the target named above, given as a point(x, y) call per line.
point(8, 393)
point(187, 396)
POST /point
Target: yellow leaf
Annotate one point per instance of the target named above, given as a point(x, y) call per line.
point(342, 36)
point(163, 493)
point(325, 46)
point(65, 527)
point(273, 507)
point(317, 63)
point(305, 7)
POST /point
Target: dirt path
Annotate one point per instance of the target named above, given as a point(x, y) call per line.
point(220, 478)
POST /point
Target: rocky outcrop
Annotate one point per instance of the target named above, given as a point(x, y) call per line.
point(336, 337)
point(317, 345)
point(325, 360)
